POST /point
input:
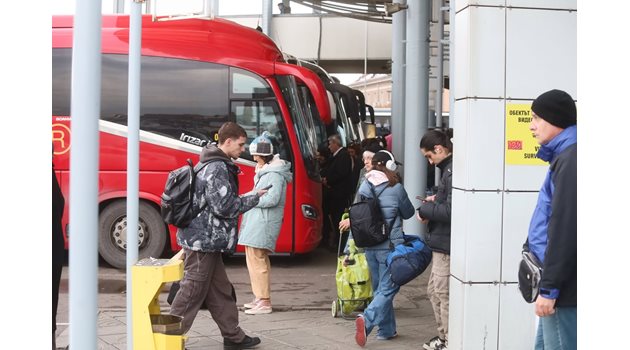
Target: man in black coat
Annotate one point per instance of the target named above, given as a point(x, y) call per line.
point(339, 182)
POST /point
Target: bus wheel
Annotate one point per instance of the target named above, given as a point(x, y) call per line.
point(112, 237)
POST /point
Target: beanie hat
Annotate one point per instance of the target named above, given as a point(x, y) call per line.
point(261, 146)
point(556, 107)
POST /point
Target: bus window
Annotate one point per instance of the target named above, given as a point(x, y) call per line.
point(61, 72)
point(248, 85)
point(190, 113)
point(258, 116)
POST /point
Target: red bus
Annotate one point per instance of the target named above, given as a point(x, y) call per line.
point(196, 74)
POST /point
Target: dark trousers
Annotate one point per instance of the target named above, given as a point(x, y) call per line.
point(205, 279)
point(337, 207)
point(56, 280)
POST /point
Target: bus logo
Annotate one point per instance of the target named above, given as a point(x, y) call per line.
point(61, 138)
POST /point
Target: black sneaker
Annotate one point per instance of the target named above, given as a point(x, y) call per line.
point(247, 343)
point(443, 346)
point(433, 343)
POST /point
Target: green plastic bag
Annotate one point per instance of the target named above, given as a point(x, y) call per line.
point(354, 287)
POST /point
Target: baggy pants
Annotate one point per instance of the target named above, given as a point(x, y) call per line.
point(438, 291)
point(259, 268)
point(205, 279)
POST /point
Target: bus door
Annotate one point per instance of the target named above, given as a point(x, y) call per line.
point(254, 107)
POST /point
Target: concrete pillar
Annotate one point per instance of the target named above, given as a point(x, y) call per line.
point(495, 186)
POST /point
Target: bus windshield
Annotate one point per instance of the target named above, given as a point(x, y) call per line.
point(303, 124)
point(311, 112)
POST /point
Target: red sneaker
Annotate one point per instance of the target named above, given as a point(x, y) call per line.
point(360, 336)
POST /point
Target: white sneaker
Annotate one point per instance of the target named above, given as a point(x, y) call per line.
point(263, 307)
point(252, 304)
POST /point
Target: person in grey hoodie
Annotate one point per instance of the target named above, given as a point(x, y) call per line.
point(210, 234)
point(261, 225)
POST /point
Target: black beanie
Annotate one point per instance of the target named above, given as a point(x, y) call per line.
point(556, 107)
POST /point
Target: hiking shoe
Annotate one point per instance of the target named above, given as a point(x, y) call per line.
point(247, 343)
point(381, 337)
point(360, 336)
point(252, 304)
point(433, 343)
point(263, 307)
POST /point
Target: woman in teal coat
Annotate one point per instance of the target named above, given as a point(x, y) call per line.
point(261, 225)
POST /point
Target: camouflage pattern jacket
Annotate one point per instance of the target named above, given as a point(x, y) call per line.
point(216, 191)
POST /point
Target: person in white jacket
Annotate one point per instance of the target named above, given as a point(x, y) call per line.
point(261, 225)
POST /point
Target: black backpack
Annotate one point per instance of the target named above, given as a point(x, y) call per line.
point(177, 207)
point(367, 224)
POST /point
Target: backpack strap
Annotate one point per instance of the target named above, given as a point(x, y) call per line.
point(196, 169)
point(374, 193)
point(201, 165)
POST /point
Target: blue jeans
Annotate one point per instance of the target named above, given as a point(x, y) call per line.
point(558, 331)
point(380, 312)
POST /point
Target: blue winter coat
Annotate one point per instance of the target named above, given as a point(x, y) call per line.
point(261, 225)
point(552, 235)
point(395, 206)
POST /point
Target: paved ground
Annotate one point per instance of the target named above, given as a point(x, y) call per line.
point(303, 289)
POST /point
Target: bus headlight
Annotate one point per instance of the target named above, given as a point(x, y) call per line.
point(309, 212)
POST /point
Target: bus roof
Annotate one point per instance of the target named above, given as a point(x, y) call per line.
point(191, 38)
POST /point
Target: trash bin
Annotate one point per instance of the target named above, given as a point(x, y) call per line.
point(153, 330)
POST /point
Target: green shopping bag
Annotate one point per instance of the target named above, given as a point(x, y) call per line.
point(354, 286)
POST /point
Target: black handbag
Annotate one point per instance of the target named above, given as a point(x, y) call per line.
point(529, 276)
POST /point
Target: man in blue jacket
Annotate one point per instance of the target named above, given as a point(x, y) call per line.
point(552, 235)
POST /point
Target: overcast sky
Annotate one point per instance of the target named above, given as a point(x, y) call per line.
point(226, 7)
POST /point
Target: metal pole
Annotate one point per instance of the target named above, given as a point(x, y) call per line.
point(440, 77)
point(399, 21)
point(417, 105)
point(133, 152)
point(85, 110)
point(267, 12)
point(119, 6)
point(440, 66)
point(365, 60)
point(214, 10)
point(451, 62)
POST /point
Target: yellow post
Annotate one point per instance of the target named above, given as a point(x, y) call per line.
point(162, 331)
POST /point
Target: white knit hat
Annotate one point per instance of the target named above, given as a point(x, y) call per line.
point(261, 146)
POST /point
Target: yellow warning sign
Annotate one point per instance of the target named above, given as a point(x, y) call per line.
point(520, 144)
